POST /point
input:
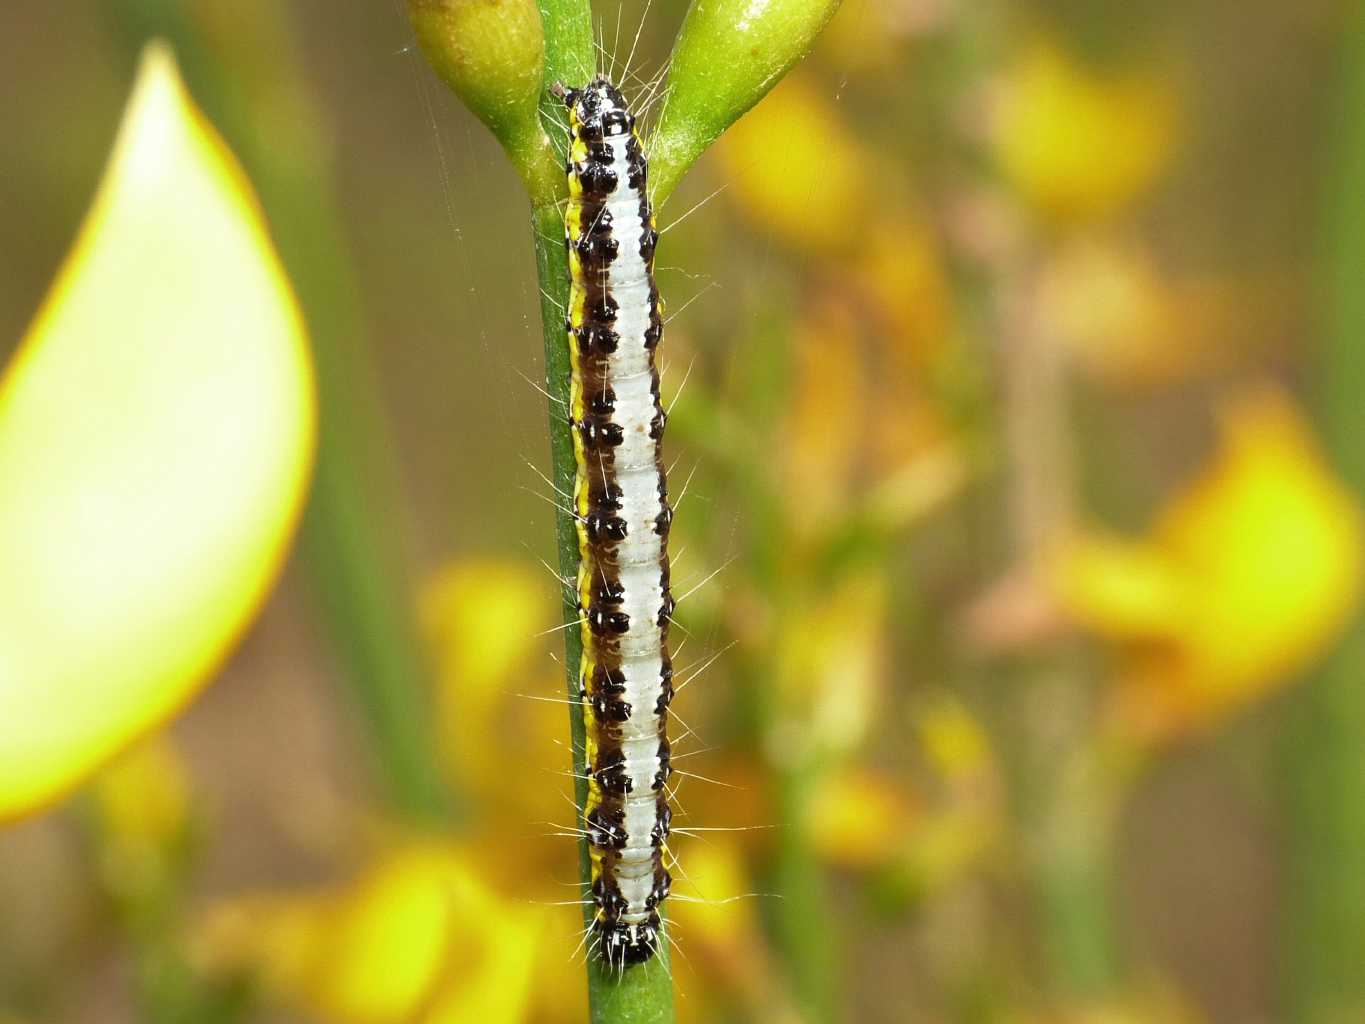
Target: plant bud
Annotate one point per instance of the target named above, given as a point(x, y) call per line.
point(492, 54)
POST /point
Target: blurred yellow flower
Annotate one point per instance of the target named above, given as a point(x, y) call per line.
point(871, 36)
point(930, 838)
point(417, 937)
point(714, 918)
point(1122, 588)
point(156, 437)
point(712, 909)
point(864, 819)
point(1113, 310)
point(829, 674)
point(1079, 144)
point(1247, 577)
point(946, 848)
point(955, 744)
point(824, 431)
point(143, 797)
point(507, 979)
point(484, 618)
point(142, 809)
point(856, 447)
point(796, 172)
point(957, 830)
point(1130, 324)
point(1158, 1006)
point(900, 269)
point(481, 617)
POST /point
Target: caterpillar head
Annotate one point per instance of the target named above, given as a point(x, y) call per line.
point(596, 111)
point(625, 945)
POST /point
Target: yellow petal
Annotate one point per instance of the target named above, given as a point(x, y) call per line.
point(496, 988)
point(1077, 144)
point(142, 804)
point(864, 819)
point(1249, 575)
point(828, 681)
point(796, 171)
point(1121, 589)
point(156, 434)
point(1113, 309)
point(1274, 543)
point(710, 916)
point(955, 743)
point(386, 947)
point(824, 432)
point(417, 935)
point(143, 798)
point(900, 268)
point(872, 37)
point(483, 617)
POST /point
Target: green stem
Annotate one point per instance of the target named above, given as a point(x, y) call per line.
point(1070, 806)
point(1325, 948)
point(801, 921)
point(644, 994)
point(1066, 802)
point(351, 537)
point(799, 924)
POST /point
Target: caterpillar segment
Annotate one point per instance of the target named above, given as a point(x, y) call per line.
point(614, 325)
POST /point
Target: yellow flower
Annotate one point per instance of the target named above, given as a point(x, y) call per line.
point(142, 810)
point(713, 910)
point(418, 936)
point(871, 36)
point(1158, 1006)
point(864, 819)
point(796, 172)
point(496, 690)
point(1078, 144)
point(954, 833)
point(1130, 324)
point(1113, 310)
point(724, 965)
point(829, 673)
point(482, 618)
point(902, 465)
point(955, 744)
point(1121, 588)
point(899, 267)
point(824, 431)
point(143, 797)
point(1248, 575)
point(501, 989)
point(156, 437)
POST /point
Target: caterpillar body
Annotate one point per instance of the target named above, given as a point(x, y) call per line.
point(614, 323)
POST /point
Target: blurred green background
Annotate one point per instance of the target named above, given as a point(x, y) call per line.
point(1022, 419)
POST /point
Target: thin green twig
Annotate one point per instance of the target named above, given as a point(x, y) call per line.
point(1325, 945)
point(643, 994)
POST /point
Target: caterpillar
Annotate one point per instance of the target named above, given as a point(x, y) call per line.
point(614, 323)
